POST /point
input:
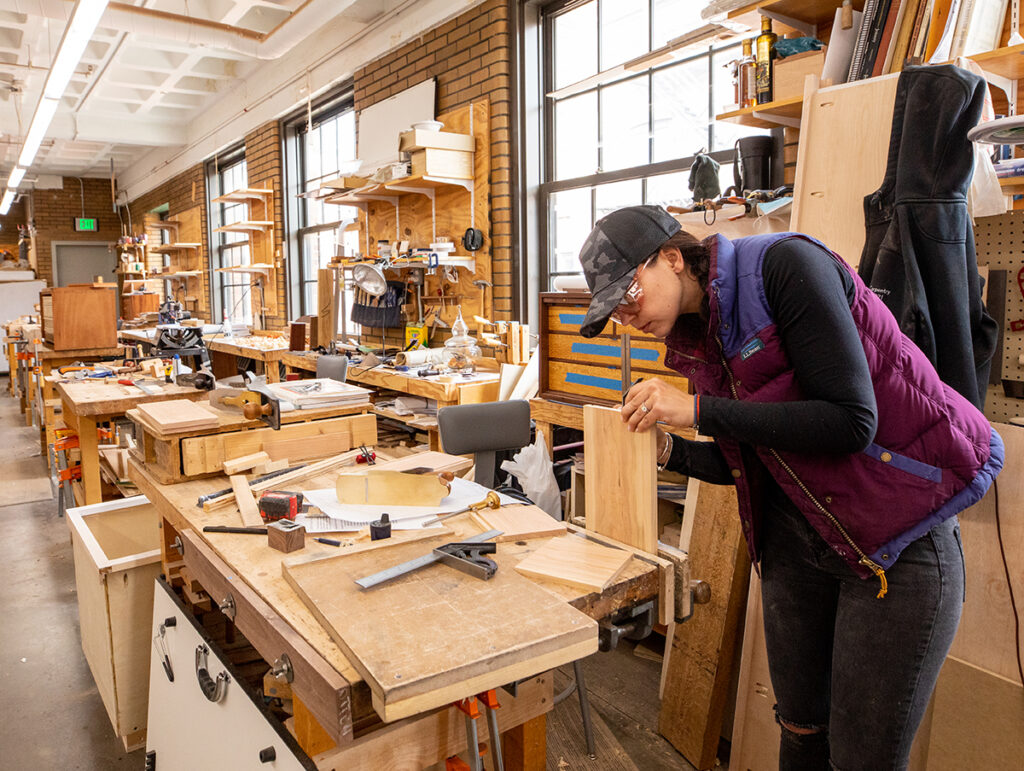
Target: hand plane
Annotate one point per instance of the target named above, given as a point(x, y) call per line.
point(254, 403)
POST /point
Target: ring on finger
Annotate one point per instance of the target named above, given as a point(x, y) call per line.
point(644, 409)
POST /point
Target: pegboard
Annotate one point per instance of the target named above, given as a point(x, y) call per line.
point(999, 242)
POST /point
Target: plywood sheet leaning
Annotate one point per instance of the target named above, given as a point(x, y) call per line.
point(437, 635)
point(699, 662)
point(576, 562)
point(844, 145)
point(986, 637)
point(178, 415)
point(622, 479)
point(391, 488)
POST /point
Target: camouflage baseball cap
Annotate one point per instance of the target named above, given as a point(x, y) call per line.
point(619, 244)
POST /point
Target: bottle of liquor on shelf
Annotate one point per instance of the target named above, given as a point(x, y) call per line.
point(765, 65)
point(748, 82)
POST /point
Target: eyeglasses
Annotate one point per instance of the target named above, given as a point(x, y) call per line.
point(630, 303)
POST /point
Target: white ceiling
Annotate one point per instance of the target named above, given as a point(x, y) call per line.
point(143, 78)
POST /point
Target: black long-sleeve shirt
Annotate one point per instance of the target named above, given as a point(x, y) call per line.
point(810, 297)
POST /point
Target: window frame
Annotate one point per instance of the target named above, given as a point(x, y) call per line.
point(548, 186)
point(293, 132)
point(219, 244)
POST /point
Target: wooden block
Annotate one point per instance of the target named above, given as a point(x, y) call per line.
point(304, 448)
point(622, 479)
point(276, 689)
point(79, 316)
point(454, 164)
point(391, 488)
point(576, 562)
point(286, 536)
point(270, 466)
point(326, 322)
point(519, 522)
point(417, 139)
point(297, 336)
point(178, 415)
point(246, 502)
point(245, 462)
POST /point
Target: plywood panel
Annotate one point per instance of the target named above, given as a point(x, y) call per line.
point(986, 634)
point(844, 144)
point(576, 562)
point(488, 632)
point(622, 479)
point(518, 523)
point(178, 415)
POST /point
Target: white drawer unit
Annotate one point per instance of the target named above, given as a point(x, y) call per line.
point(200, 714)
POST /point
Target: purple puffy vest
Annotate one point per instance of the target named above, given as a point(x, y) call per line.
point(934, 453)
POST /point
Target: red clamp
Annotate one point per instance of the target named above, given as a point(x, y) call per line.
point(75, 472)
point(66, 443)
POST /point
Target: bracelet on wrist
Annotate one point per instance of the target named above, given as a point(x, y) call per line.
point(663, 458)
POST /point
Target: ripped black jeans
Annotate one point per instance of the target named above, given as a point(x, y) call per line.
point(857, 670)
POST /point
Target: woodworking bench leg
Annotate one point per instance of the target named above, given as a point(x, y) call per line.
point(546, 430)
point(273, 371)
point(88, 443)
point(525, 747)
point(308, 732)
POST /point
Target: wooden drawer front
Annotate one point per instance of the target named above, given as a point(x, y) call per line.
point(189, 731)
point(583, 383)
point(321, 687)
point(646, 355)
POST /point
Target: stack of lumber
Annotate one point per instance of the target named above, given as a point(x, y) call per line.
point(178, 415)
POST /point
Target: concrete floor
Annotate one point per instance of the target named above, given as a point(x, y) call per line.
point(53, 717)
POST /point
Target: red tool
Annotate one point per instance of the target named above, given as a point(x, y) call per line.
point(1018, 325)
point(475, 750)
point(279, 504)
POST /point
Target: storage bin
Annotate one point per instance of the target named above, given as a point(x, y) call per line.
point(117, 557)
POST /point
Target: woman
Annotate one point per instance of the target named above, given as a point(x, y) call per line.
point(850, 459)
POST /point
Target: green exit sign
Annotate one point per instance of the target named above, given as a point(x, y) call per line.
point(86, 224)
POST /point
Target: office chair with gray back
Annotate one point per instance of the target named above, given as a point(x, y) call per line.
point(334, 367)
point(484, 430)
point(487, 430)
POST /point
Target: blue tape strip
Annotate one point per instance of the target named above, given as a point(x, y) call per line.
point(571, 318)
point(614, 351)
point(593, 381)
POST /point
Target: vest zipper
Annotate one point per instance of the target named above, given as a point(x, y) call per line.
point(864, 559)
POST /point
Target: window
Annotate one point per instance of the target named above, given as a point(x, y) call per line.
point(629, 137)
point(232, 291)
point(317, 153)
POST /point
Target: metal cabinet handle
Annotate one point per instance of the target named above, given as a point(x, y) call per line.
point(214, 690)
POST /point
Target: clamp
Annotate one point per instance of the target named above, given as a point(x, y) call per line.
point(474, 749)
point(366, 456)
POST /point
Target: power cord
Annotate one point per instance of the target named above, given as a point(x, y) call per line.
point(1009, 583)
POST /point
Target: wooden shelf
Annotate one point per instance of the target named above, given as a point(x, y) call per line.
point(245, 226)
point(416, 183)
point(806, 11)
point(168, 248)
point(166, 225)
point(1012, 185)
point(255, 268)
point(178, 274)
point(769, 115)
point(1006, 62)
point(244, 194)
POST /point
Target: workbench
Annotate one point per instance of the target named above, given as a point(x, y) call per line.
point(227, 346)
point(334, 717)
point(88, 403)
point(46, 361)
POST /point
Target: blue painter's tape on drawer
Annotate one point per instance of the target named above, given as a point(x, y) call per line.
point(571, 318)
point(614, 351)
point(593, 381)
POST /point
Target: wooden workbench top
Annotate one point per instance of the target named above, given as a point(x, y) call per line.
point(231, 345)
point(107, 397)
point(481, 388)
point(44, 352)
point(260, 567)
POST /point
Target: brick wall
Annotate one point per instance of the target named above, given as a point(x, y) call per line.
point(55, 212)
point(179, 194)
point(469, 57)
point(264, 167)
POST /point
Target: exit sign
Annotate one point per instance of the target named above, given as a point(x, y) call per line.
point(86, 224)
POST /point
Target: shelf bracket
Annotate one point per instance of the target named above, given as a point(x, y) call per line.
point(808, 28)
point(1007, 86)
point(779, 120)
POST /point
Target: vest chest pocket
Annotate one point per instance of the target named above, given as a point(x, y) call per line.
point(903, 463)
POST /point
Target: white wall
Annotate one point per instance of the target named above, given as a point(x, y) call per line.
point(277, 87)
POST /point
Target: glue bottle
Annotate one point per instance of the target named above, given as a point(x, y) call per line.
point(226, 327)
point(176, 366)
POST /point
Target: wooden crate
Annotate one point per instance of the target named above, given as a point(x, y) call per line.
point(415, 139)
point(788, 80)
point(79, 316)
point(453, 164)
point(135, 304)
point(195, 454)
point(116, 549)
point(579, 370)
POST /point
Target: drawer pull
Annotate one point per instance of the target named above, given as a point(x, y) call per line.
point(282, 669)
point(214, 690)
point(268, 755)
point(228, 607)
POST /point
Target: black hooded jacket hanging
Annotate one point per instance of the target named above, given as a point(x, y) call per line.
point(919, 252)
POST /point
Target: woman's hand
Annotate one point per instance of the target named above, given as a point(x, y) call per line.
point(650, 401)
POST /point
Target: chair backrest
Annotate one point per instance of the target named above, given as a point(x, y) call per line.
point(484, 429)
point(334, 367)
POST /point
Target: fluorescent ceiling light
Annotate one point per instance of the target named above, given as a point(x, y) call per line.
point(37, 130)
point(84, 19)
point(15, 179)
point(5, 204)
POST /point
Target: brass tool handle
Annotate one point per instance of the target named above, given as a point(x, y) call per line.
point(255, 411)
